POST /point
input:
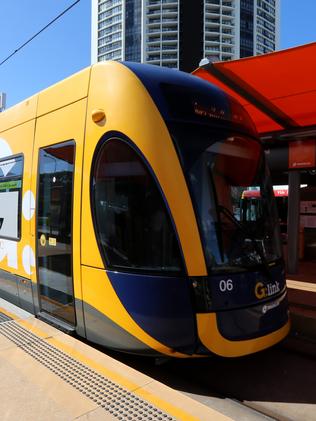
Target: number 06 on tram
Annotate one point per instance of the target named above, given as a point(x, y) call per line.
point(122, 215)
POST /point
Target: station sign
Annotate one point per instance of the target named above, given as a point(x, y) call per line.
point(302, 154)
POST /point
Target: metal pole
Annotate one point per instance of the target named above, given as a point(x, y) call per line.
point(3, 98)
point(293, 222)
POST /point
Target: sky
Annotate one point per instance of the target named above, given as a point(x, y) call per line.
point(58, 52)
point(64, 48)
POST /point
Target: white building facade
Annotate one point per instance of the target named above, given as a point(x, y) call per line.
point(179, 33)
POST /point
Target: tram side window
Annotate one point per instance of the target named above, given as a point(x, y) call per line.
point(11, 171)
point(131, 220)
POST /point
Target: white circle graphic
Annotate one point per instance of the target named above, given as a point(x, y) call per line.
point(28, 205)
point(28, 259)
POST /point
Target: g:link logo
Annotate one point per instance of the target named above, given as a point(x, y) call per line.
point(263, 291)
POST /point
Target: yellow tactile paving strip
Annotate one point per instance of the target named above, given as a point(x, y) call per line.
point(131, 382)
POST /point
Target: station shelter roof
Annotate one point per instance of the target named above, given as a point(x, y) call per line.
point(277, 89)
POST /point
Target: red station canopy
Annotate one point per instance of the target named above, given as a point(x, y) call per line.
point(278, 89)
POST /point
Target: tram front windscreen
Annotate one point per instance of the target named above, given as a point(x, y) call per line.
point(219, 167)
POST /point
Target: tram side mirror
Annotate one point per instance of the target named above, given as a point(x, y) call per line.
point(1, 222)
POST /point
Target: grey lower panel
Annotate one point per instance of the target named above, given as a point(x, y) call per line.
point(9, 287)
point(17, 290)
point(80, 322)
point(103, 331)
point(25, 294)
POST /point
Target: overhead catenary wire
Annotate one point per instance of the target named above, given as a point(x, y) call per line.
point(39, 32)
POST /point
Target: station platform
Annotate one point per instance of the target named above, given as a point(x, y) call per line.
point(302, 300)
point(48, 375)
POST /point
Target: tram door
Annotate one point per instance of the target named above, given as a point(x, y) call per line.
point(54, 230)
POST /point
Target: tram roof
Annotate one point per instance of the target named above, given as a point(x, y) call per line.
point(277, 89)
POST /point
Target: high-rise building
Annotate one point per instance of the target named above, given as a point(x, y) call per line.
point(179, 33)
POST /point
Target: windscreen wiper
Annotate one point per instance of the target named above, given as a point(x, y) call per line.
point(229, 215)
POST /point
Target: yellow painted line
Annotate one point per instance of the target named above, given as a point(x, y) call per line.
point(35, 330)
point(8, 313)
point(304, 286)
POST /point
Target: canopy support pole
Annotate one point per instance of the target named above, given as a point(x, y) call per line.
point(293, 222)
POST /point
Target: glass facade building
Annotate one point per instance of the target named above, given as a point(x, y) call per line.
point(133, 30)
point(179, 33)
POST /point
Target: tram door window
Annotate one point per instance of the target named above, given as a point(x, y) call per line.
point(54, 230)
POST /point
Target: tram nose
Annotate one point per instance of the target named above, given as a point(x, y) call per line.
point(240, 313)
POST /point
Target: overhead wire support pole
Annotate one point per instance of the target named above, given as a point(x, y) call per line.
point(293, 222)
point(3, 98)
point(39, 32)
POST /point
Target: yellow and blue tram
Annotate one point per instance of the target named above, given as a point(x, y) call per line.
point(121, 219)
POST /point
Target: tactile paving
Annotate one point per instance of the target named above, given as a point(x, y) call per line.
point(4, 318)
point(116, 400)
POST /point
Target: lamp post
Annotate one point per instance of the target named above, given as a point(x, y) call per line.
point(3, 98)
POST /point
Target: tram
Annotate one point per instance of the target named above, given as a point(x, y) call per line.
point(120, 192)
